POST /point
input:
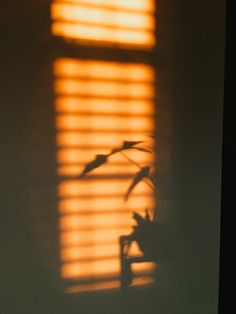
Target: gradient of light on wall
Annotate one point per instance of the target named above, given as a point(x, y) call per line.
point(119, 22)
point(98, 105)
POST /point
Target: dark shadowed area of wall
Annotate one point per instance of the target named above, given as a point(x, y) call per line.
point(192, 67)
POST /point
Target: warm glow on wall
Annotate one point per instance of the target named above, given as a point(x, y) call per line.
point(99, 104)
point(114, 22)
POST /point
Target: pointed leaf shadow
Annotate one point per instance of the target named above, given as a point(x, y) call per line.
point(97, 162)
point(142, 174)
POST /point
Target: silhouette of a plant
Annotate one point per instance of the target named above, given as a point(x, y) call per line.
point(144, 173)
point(145, 227)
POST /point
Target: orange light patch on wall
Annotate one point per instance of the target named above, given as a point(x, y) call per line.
point(124, 23)
point(103, 204)
point(97, 114)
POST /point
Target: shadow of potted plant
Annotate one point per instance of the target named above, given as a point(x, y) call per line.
point(145, 231)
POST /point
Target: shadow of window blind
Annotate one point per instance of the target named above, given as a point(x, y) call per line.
point(120, 22)
point(99, 104)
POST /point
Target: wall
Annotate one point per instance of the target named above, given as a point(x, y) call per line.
point(191, 69)
point(190, 62)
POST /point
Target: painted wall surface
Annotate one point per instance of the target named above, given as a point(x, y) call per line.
point(191, 69)
point(190, 63)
